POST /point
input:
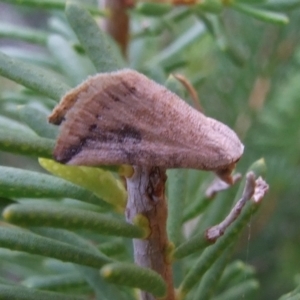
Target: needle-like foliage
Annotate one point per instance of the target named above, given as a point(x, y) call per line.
point(63, 234)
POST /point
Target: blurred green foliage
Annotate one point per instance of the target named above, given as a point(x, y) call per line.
point(243, 58)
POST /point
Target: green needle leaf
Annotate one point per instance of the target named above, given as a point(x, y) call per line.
point(70, 218)
point(37, 121)
point(26, 144)
point(66, 236)
point(93, 40)
point(134, 276)
point(196, 208)
point(100, 182)
point(13, 292)
point(32, 77)
point(115, 247)
point(20, 33)
point(92, 276)
point(153, 9)
point(40, 59)
point(260, 14)
point(57, 282)
point(293, 295)
point(177, 184)
point(192, 35)
point(69, 61)
point(211, 6)
point(196, 243)
point(241, 290)
point(20, 183)
point(234, 272)
point(212, 276)
point(25, 241)
point(52, 4)
point(280, 5)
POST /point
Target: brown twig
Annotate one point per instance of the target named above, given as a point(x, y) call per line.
point(255, 189)
point(184, 2)
point(146, 197)
point(259, 93)
point(219, 185)
point(261, 187)
point(117, 25)
point(190, 89)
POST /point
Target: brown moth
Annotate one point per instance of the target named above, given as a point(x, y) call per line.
point(125, 118)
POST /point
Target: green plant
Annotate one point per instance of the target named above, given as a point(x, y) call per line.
point(75, 215)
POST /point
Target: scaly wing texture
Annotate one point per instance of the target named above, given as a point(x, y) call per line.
point(125, 118)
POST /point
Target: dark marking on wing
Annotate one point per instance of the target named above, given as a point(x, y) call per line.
point(92, 127)
point(114, 97)
point(128, 132)
point(69, 152)
point(129, 156)
point(130, 89)
point(123, 135)
point(104, 106)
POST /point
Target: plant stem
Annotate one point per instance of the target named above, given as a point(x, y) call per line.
point(146, 197)
point(117, 25)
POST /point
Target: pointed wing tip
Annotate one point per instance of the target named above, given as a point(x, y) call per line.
point(60, 159)
point(55, 118)
point(226, 173)
point(63, 154)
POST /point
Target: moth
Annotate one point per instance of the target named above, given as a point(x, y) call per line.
point(123, 117)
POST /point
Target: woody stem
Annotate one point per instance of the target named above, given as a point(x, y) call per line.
point(117, 25)
point(146, 197)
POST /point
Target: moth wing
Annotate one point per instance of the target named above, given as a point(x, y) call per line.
point(125, 118)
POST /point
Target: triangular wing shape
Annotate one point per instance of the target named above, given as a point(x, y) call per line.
point(125, 118)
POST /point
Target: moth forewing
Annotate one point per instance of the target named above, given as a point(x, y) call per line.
point(125, 118)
